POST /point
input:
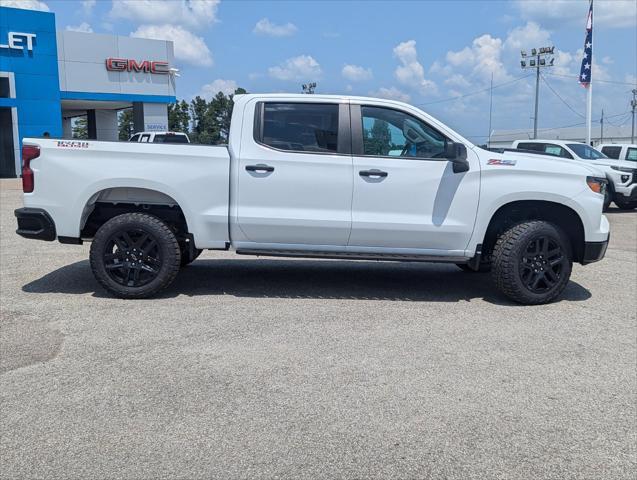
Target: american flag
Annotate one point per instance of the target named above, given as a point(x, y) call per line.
point(587, 60)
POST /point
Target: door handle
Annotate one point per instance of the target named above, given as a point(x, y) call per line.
point(372, 173)
point(259, 168)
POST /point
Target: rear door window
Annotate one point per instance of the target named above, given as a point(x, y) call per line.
point(631, 154)
point(145, 138)
point(299, 127)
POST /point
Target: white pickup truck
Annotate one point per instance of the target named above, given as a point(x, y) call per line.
point(621, 175)
point(317, 176)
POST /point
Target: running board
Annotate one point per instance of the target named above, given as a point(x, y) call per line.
point(391, 257)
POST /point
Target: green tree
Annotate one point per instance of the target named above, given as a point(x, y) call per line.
point(179, 117)
point(80, 128)
point(125, 124)
point(377, 141)
point(211, 119)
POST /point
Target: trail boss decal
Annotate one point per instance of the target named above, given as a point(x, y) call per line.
point(71, 144)
point(501, 162)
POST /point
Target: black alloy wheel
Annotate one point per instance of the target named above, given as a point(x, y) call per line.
point(132, 257)
point(135, 255)
point(542, 264)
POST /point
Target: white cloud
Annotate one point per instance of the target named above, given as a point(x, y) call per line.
point(266, 27)
point(303, 67)
point(391, 94)
point(481, 59)
point(190, 13)
point(522, 38)
point(88, 6)
point(608, 13)
point(188, 47)
point(25, 5)
point(457, 80)
point(82, 27)
point(219, 85)
point(356, 73)
point(411, 72)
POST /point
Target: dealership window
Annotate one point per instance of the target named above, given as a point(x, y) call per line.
point(302, 127)
point(5, 87)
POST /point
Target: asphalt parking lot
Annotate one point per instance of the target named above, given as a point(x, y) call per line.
point(283, 368)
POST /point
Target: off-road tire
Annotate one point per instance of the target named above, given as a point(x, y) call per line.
point(511, 262)
point(165, 248)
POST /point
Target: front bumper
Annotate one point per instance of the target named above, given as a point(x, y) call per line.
point(594, 251)
point(35, 223)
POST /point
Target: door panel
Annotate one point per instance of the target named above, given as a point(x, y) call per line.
point(288, 196)
point(420, 203)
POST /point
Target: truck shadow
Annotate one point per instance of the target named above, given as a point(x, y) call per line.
point(312, 279)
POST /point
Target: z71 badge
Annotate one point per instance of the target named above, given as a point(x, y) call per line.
point(502, 162)
point(72, 144)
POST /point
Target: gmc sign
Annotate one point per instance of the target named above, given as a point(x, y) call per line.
point(145, 66)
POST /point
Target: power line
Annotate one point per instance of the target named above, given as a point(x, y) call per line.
point(596, 81)
point(559, 96)
point(450, 99)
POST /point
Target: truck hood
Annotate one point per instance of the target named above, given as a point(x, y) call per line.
point(587, 168)
point(610, 162)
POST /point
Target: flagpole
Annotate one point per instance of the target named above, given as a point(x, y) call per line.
point(589, 110)
point(587, 64)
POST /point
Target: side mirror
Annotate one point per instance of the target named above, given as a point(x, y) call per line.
point(456, 153)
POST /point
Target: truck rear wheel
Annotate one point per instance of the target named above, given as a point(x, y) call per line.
point(532, 262)
point(135, 255)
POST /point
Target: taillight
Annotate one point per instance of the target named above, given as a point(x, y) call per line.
point(29, 152)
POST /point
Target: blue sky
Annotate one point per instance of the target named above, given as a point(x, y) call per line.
point(423, 52)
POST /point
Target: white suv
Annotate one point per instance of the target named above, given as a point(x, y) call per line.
point(621, 175)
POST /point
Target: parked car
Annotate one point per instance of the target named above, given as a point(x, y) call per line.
point(160, 137)
point(317, 176)
point(619, 151)
point(621, 175)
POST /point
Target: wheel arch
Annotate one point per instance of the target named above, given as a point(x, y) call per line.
point(514, 212)
point(109, 202)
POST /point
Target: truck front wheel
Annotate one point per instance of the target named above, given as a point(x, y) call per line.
point(532, 262)
point(135, 255)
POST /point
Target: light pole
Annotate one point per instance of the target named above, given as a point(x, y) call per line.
point(309, 87)
point(538, 58)
point(633, 104)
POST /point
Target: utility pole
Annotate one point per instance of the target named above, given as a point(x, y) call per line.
point(537, 59)
point(490, 110)
point(633, 104)
point(601, 128)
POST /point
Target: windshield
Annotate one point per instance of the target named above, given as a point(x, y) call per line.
point(585, 152)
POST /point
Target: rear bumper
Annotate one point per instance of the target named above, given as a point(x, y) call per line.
point(594, 251)
point(35, 223)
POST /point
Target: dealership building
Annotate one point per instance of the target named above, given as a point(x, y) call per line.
point(48, 78)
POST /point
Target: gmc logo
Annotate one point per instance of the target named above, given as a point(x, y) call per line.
point(146, 66)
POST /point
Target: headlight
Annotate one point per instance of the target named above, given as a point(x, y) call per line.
point(623, 169)
point(596, 184)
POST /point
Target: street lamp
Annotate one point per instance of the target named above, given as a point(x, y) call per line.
point(309, 87)
point(539, 58)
